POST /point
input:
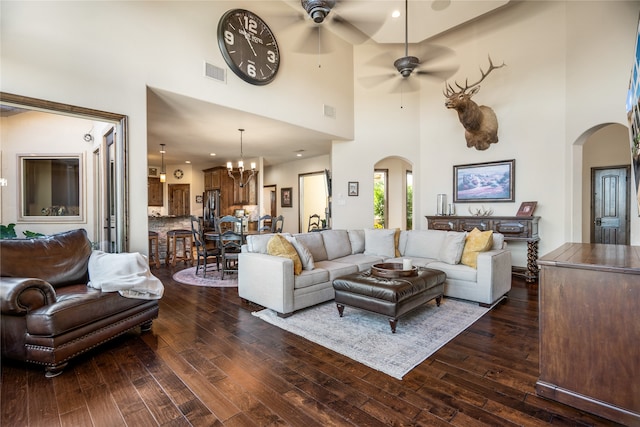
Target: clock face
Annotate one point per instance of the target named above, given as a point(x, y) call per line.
point(178, 173)
point(248, 46)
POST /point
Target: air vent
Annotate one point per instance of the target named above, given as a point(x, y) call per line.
point(329, 111)
point(214, 72)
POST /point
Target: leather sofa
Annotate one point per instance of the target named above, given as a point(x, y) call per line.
point(269, 280)
point(48, 313)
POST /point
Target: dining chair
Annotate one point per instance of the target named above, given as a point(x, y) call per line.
point(205, 249)
point(314, 223)
point(277, 224)
point(265, 224)
point(229, 242)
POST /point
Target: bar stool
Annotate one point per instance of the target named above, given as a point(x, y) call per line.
point(154, 251)
point(173, 255)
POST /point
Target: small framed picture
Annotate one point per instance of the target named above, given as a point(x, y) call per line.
point(153, 172)
point(527, 208)
point(199, 198)
point(353, 188)
point(286, 197)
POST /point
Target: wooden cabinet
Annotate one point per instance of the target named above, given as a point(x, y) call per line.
point(232, 196)
point(212, 178)
point(154, 192)
point(589, 329)
point(247, 194)
point(514, 228)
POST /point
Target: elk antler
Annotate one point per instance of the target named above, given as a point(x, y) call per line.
point(450, 90)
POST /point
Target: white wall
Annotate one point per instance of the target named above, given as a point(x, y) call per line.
point(103, 55)
point(567, 71)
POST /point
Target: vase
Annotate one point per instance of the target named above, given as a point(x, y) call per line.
point(442, 204)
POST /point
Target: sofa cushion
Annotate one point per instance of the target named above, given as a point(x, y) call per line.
point(310, 277)
point(356, 237)
point(498, 241)
point(424, 243)
point(315, 243)
point(364, 262)
point(380, 242)
point(279, 246)
point(305, 256)
point(452, 247)
point(336, 243)
point(337, 269)
point(457, 271)
point(476, 241)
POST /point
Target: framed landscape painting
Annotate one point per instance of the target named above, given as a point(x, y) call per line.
point(484, 182)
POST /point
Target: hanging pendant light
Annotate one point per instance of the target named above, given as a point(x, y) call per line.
point(241, 182)
point(163, 174)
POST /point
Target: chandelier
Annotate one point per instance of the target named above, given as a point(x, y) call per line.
point(241, 181)
point(163, 174)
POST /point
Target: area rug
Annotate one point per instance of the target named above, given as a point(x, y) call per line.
point(188, 277)
point(366, 337)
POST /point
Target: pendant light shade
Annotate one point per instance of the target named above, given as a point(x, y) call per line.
point(163, 173)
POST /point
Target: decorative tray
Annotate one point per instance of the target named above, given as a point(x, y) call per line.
point(392, 270)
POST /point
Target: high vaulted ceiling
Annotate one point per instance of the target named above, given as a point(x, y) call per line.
point(191, 128)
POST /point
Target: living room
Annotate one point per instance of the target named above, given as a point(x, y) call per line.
point(559, 101)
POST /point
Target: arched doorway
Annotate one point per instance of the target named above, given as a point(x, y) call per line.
point(393, 193)
point(604, 148)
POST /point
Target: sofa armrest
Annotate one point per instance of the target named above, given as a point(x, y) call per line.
point(494, 273)
point(266, 280)
point(20, 295)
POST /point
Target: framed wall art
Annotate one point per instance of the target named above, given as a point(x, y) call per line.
point(353, 188)
point(484, 182)
point(286, 197)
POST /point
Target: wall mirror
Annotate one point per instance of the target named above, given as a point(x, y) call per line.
point(82, 185)
point(51, 186)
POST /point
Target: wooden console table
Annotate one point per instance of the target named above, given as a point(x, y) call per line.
point(515, 228)
point(589, 330)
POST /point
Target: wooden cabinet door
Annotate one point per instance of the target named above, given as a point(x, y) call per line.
point(154, 190)
point(179, 199)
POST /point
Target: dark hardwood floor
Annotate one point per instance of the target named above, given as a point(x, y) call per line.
point(209, 362)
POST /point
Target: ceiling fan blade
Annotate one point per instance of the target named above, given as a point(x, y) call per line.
point(314, 41)
point(440, 74)
point(406, 85)
point(370, 82)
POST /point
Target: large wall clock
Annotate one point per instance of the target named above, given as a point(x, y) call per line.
point(248, 46)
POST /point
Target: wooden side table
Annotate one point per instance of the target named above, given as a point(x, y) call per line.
point(154, 249)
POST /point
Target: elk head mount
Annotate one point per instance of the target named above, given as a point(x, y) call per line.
point(480, 122)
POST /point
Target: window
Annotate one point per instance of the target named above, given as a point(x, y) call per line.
point(380, 178)
point(51, 188)
point(409, 194)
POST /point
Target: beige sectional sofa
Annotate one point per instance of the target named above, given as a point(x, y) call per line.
point(269, 280)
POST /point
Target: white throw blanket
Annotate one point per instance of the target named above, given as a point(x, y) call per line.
point(126, 273)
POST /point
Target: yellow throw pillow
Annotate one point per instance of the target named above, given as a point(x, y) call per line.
point(278, 245)
point(477, 241)
point(396, 239)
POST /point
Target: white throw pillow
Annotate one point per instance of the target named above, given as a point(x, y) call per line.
point(305, 256)
point(380, 242)
point(452, 246)
point(424, 243)
point(356, 237)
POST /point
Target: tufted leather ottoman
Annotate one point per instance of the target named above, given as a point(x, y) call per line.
point(390, 297)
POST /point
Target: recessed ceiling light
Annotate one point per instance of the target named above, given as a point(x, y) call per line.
point(188, 162)
point(395, 14)
point(299, 155)
point(212, 154)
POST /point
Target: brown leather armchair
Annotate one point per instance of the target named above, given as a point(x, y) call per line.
point(48, 313)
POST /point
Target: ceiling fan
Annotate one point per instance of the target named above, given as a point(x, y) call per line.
point(409, 65)
point(327, 13)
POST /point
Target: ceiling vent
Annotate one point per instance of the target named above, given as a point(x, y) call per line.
point(214, 72)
